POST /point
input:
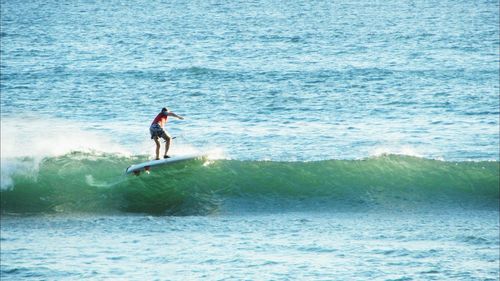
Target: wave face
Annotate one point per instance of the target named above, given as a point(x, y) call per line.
point(95, 183)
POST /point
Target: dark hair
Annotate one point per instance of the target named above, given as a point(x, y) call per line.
point(164, 109)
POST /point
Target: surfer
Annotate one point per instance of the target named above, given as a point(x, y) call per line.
point(157, 130)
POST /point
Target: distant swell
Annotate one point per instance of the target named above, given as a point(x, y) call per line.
point(94, 183)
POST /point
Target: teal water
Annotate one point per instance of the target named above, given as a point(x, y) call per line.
point(260, 79)
point(97, 184)
point(343, 140)
point(450, 245)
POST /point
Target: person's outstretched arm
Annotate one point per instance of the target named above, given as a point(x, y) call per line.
point(175, 115)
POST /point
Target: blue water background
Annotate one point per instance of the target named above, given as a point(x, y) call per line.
point(299, 80)
point(257, 80)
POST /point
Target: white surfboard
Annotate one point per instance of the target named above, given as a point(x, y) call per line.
point(146, 166)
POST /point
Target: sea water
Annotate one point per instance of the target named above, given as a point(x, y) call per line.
point(345, 140)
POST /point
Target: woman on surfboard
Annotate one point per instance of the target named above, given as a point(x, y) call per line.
point(157, 130)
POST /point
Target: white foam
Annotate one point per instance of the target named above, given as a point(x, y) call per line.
point(31, 137)
point(402, 150)
point(26, 141)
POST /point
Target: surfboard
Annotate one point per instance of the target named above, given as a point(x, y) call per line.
point(136, 169)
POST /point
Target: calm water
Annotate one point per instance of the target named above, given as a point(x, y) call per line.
point(301, 246)
point(345, 140)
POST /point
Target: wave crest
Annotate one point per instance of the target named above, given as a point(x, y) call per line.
point(90, 182)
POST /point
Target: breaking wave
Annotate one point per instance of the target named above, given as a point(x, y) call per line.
point(96, 183)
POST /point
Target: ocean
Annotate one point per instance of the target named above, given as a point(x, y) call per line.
point(343, 140)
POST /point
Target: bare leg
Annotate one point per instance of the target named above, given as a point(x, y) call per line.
point(167, 143)
point(157, 148)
